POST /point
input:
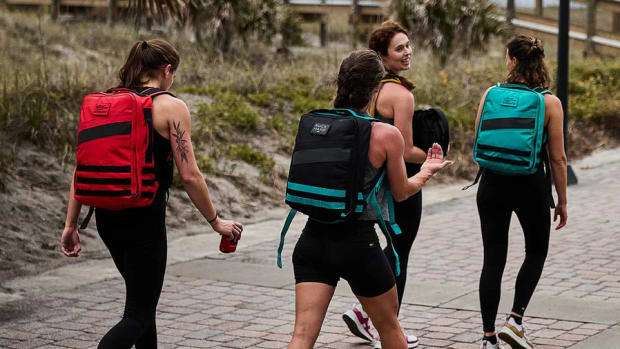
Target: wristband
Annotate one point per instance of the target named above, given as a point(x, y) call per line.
point(212, 220)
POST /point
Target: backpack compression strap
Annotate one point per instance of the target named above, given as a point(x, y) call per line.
point(287, 225)
point(372, 197)
point(84, 224)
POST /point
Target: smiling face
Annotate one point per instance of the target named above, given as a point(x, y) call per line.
point(398, 56)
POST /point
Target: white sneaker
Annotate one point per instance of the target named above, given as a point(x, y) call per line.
point(488, 345)
point(412, 342)
point(514, 335)
point(358, 322)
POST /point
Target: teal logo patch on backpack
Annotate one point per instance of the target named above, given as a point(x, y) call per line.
point(510, 131)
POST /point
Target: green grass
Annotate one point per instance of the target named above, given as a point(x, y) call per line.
point(252, 156)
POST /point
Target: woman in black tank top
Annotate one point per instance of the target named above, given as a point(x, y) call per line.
point(136, 237)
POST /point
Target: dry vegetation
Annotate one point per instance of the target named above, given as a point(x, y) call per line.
point(245, 108)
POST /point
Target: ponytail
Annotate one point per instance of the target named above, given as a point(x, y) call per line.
point(530, 68)
point(360, 73)
point(144, 60)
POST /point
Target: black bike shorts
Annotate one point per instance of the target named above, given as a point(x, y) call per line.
point(327, 252)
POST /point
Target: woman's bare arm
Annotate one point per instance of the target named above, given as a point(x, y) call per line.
point(178, 118)
point(557, 156)
point(391, 143)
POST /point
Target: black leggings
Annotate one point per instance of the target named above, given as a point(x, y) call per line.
point(499, 196)
point(136, 239)
point(408, 214)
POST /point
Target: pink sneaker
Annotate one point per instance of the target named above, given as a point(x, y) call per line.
point(358, 322)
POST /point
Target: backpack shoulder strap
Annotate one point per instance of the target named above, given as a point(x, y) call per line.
point(152, 92)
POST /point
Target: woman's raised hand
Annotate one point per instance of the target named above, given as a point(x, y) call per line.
point(434, 160)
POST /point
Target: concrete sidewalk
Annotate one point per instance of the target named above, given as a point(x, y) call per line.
point(243, 300)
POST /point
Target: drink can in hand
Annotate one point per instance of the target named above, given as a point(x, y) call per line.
point(227, 245)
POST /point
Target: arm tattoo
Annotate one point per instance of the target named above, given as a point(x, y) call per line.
point(181, 143)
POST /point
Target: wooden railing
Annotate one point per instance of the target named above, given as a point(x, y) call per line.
point(589, 32)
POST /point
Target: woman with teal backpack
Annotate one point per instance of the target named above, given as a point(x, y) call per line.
point(517, 125)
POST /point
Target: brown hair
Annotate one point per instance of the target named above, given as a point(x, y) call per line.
point(380, 39)
point(145, 58)
point(530, 68)
point(360, 73)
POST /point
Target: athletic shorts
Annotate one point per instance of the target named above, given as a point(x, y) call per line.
point(327, 252)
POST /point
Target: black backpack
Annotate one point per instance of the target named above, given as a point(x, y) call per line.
point(431, 126)
point(326, 175)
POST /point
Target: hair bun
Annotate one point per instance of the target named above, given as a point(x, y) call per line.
point(536, 48)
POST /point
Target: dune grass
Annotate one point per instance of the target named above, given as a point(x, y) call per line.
point(251, 93)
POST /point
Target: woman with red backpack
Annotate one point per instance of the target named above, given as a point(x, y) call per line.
point(106, 178)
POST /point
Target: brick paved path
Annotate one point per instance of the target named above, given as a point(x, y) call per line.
point(583, 268)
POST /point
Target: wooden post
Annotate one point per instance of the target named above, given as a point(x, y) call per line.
point(354, 21)
point(615, 27)
point(539, 8)
point(111, 12)
point(510, 15)
point(590, 47)
point(323, 31)
point(55, 9)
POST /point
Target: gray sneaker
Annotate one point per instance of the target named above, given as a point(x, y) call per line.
point(488, 345)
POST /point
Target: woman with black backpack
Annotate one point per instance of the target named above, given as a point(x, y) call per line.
point(350, 250)
point(394, 104)
point(136, 237)
point(503, 124)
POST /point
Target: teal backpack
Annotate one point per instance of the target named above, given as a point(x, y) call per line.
point(510, 138)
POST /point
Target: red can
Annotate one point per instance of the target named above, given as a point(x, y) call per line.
point(227, 245)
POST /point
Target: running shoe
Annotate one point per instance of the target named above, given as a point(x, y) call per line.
point(358, 322)
point(412, 342)
point(488, 345)
point(513, 336)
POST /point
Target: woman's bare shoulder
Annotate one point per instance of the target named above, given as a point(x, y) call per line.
point(170, 104)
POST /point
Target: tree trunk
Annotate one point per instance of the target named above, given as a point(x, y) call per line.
point(55, 9)
point(111, 12)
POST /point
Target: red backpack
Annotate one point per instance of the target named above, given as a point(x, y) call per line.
point(115, 163)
